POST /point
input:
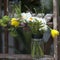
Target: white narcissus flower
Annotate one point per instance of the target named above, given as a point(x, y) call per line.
point(44, 27)
point(38, 19)
point(26, 15)
point(23, 15)
point(41, 20)
point(30, 19)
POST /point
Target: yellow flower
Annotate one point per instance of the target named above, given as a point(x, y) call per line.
point(14, 22)
point(54, 33)
point(13, 19)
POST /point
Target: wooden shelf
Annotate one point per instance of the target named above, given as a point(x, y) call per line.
point(24, 57)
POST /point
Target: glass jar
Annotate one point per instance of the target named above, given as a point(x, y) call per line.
point(37, 48)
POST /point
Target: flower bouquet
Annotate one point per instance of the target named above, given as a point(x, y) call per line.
point(37, 26)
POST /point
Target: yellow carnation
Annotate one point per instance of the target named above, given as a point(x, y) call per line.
point(54, 33)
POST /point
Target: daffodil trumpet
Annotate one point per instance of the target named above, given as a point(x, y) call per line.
point(54, 33)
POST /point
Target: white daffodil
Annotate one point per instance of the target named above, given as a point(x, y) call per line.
point(23, 15)
point(43, 28)
point(28, 15)
point(38, 19)
point(41, 20)
point(32, 19)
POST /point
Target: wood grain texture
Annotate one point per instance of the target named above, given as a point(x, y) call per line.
point(23, 57)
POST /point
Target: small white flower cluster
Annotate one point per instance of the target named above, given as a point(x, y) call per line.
point(27, 17)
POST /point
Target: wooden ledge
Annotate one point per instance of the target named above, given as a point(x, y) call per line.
point(23, 57)
point(14, 56)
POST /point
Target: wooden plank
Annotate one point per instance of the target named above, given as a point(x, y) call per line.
point(21, 56)
point(55, 13)
point(6, 30)
point(0, 7)
point(5, 7)
point(6, 39)
point(24, 57)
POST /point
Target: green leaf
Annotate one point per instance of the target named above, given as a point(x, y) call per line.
point(6, 18)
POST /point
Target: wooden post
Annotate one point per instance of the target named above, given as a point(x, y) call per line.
point(5, 7)
point(6, 30)
point(0, 7)
point(55, 13)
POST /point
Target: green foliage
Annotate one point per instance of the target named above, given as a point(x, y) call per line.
point(35, 26)
point(4, 21)
point(16, 10)
point(13, 31)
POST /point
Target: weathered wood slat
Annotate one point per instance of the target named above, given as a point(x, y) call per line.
point(23, 57)
point(0, 7)
point(19, 56)
point(6, 31)
point(55, 13)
